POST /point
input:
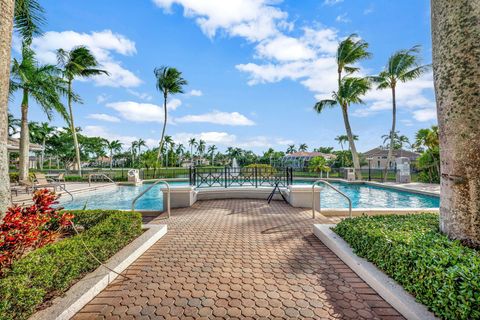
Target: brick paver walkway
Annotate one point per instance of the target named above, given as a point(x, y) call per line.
point(240, 259)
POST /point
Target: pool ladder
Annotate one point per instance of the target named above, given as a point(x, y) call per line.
point(148, 189)
point(99, 175)
point(320, 204)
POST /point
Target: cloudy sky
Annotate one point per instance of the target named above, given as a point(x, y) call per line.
point(255, 68)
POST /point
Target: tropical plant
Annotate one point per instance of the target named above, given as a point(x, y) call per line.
point(398, 140)
point(350, 91)
point(133, 151)
point(303, 147)
point(113, 146)
point(318, 164)
point(192, 142)
point(201, 147)
point(455, 40)
point(169, 81)
point(13, 125)
point(291, 149)
point(140, 143)
point(427, 138)
point(39, 133)
point(43, 84)
point(341, 139)
point(77, 63)
point(349, 52)
point(211, 151)
point(169, 146)
point(402, 66)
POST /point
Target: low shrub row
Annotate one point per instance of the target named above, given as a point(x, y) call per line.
point(52, 269)
point(442, 274)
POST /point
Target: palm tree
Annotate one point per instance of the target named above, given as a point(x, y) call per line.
point(180, 151)
point(114, 146)
point(133, 151)
point(192, 143)
point(201, 147)
point(319, 165)
point(169, 81)
point(351, 89)
point(427, 137)
point(13, 125)
point(403, 66)
point(168, 142)
point(341, 139)
point(44, 85)
point(350, 51)
point(211, 151)
point(303, 147)
point(140, 143)
point(44, 131)
point(291, 148)
point(455, 40)
point(78, 62)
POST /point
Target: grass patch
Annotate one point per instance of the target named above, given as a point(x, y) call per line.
point(52, 269)
point(442, 274)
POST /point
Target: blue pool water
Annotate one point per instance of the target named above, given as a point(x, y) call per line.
point(362, 196)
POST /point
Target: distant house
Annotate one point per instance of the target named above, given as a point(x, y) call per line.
point(378, 157)
point(300, 160)
point(13, 146)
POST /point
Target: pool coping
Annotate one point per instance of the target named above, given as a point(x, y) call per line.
point(84, 290)
point(386, 287)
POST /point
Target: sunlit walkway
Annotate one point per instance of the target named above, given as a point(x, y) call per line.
point(239, 259)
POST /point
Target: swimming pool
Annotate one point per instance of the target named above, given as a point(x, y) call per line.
point(362, 196)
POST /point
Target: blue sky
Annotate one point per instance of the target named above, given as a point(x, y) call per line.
point(255, 68)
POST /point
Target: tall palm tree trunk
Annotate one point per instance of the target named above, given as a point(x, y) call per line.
point(24, 140)
point(111, 159)
point(353, 149)
point(456, 52)
point(6, 27)
point(392, 134)
point(164, 125)
point(74, 131)
point(42, 154)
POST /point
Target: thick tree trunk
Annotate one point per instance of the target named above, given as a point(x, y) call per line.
point(164, 126)
point(392, 134)
point(74, 130)
point(6, 27)
point(456, 61)
point(353, 149)
point(24, 140)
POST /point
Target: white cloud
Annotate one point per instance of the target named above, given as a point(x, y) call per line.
point(342, 18)
point(102, 44)
point(138, 112)
point(103, 117)
point(195, 93)
point(174, 104)
point(99, 131)
point(211, 137)
point(218, 117)
point(331, 2)
point(254, 20)
point(412, 96)
point(231, 140)
point(140, 95)
point(102, 98)
point(142, 112)
point(284, 48)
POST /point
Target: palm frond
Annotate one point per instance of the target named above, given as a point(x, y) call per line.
point(28, 19)
point(323, 104)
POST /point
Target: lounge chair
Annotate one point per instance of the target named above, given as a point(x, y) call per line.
point(43, 182)
point(27, 184)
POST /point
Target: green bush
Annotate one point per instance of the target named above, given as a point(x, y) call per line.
point(442, 274)
point(54, 268)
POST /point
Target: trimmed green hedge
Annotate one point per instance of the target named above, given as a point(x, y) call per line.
point(442, 274)
point(55, 267)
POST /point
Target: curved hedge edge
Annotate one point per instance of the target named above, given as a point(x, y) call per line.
point(441, 273)
point(56, 267)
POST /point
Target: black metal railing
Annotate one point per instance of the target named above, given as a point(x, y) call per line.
point(240, 177)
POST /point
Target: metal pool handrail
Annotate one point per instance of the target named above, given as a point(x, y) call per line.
point(101, 175)
point(148, 189)
point(320, 206)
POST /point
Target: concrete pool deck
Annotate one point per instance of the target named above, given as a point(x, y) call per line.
point(239, 259)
